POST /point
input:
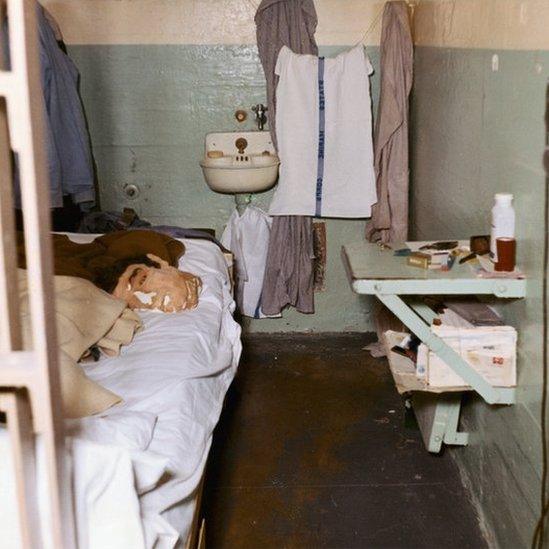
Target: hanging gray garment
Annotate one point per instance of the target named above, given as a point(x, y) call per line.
point(280, 23)
point(69, 143)
point(70, 165)
point(389, 222)
point(288, 276)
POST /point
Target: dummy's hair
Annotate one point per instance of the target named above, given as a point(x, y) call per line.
point(107, 278)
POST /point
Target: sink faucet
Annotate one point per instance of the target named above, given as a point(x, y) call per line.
point(260, 116)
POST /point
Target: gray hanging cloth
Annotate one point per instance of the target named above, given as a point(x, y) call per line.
point(389, 222)
point(280, 23)
point(288, 276)
point(70, 165)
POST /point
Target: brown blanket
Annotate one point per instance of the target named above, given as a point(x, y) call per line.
point(89, 261)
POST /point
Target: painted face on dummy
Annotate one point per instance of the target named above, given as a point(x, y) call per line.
point(165, 288)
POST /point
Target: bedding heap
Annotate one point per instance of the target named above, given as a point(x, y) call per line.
point(137, 466)
point(90, 260)
point(86, 317)
point(139, 267)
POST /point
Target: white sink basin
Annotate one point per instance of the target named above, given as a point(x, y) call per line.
point(239, 162)
point(240, 174)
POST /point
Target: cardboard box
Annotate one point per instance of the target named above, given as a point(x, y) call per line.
point(490, 350)
point(418, 259)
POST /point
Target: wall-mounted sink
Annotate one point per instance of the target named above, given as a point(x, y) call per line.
point(239, 162)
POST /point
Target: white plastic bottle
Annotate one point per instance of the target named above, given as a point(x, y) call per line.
point(503, 221)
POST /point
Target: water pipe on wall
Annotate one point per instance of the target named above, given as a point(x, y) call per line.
point(242, 201)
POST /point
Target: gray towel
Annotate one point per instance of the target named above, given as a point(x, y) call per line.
point(288, 278)
point(389, 221)
point(289, 270)
point(280, 23)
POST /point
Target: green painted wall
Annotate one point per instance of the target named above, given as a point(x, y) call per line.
point(476, 132)
point(148, 110)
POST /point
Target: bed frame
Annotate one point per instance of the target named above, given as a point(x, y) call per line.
point(30, 393)
point(197, 535)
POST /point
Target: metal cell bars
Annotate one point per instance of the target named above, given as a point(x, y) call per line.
point(30, 393)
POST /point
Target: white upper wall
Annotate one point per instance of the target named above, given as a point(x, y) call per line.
point(502, 24)
point(341, 22)
point(505, 24)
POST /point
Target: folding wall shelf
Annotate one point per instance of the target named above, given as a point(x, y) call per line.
point(374, 270)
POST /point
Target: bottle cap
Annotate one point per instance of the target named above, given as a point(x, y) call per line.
point(504, 197)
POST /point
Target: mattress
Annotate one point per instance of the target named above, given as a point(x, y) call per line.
point(136, 468)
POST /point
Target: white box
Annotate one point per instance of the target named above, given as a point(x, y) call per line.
point(490, 350)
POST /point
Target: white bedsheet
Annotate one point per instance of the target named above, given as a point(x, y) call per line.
point(137, 467)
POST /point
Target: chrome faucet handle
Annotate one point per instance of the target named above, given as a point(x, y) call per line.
point(260, 116)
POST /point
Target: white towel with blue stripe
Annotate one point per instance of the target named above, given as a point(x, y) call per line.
point(324, 133)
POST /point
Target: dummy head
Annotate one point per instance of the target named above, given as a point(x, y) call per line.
point(148, 282)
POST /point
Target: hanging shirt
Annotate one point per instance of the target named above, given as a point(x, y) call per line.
point(70, 166)
point(324, 133)
point(247, 236)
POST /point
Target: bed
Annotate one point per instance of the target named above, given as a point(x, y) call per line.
point(137, 469)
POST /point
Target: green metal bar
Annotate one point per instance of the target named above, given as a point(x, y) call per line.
point(492, 395)
point(452, 436)
point(444, 286)
point(436, 437)
point(438, 418)
point(445, 422)
point(424, 311)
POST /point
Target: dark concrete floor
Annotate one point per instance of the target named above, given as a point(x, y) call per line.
point(312, 451)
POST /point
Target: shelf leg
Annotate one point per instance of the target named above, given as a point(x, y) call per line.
point(438, 418)
point(452, 436)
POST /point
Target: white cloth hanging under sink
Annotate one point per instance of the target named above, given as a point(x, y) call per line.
point(247, 236)
point(324, 134)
